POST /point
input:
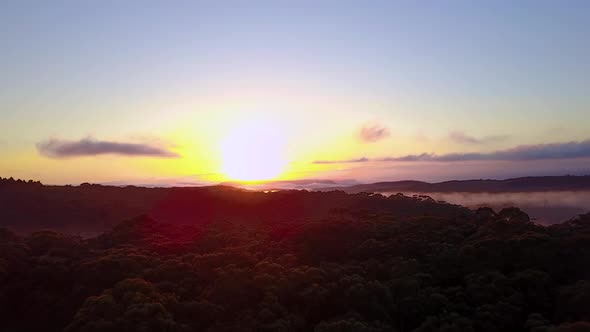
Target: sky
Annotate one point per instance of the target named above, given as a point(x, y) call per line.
point(192, 92)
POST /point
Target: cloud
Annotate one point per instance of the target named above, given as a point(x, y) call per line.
point(54, 148)
point(346, 161)
point(462, 138)
point(371, 134)
point(566, 150)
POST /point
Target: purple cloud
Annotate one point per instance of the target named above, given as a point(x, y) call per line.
point(54, 148)
point(568, 150)
point(370, 134)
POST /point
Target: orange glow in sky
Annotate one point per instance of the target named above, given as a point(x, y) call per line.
point(206, 92)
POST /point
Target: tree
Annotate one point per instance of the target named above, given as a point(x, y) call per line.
point(132, 305)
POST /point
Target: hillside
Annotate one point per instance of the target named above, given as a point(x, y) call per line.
point(524, 184)
point(225, 259)
point(478, 271)
point(90, 209)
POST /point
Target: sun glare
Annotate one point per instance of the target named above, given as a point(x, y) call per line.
point(253, 151)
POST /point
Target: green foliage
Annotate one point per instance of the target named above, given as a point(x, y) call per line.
point(351, 271)
point(132, 305)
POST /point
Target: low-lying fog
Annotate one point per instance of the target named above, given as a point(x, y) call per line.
point(547, 207)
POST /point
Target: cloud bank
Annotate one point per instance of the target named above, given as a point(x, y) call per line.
point(566, 150)
point(370, 134)
point(55, 148)
point(462, 138)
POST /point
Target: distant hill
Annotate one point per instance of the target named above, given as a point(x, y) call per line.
point(27, 206)
point(90, 208)
point(524, 184)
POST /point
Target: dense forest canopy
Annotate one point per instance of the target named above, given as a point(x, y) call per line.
point(221, 259)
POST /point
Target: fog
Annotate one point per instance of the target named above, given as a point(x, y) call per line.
point(544, 207)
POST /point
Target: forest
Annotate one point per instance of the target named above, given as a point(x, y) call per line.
point(222, 259)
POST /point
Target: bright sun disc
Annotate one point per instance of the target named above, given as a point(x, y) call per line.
point(253, 151)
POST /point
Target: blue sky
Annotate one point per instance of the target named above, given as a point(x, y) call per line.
point(427, 71)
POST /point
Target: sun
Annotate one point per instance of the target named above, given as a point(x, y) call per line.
point(253, 151)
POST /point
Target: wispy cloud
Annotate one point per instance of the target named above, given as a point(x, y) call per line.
point(55, 148)
point(566, 150)
point(374, 133)
point(345, 161)
point(462, 138)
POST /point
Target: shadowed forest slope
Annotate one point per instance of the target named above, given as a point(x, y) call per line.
point(276, 262)
point(89, 209)
point(478, 272)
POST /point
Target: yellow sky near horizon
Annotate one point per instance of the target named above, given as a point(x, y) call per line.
point(211, 82)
